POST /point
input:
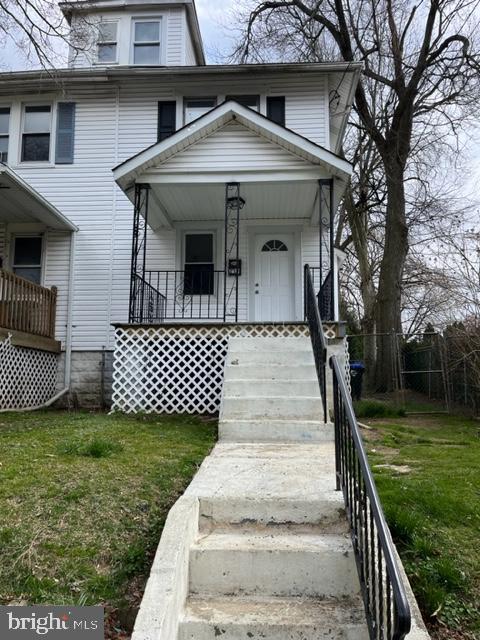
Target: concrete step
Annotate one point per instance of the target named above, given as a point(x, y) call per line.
point(273, 619)
point(267, 372)
point(275, 431)
point(254, 407)
point(269, 344)
point(278, 357)
point(262, 387)
point(273, 565)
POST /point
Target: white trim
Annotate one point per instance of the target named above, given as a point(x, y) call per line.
point(215, 177)
point(162, 35)
point(131, 170)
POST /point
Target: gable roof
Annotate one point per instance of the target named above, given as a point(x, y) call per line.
point(127, 172)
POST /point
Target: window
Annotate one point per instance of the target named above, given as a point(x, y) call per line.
point(199, 267)
point(146, 42)
point(167, 119)
point(107, 42)
point(274, 245)
point(4, 127)
point(252, 102)
point(27, 257)
point(36, 133)
point(276, 109)
point(195, 108)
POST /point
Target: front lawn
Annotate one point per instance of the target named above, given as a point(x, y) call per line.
point(83, 498)
point(427, 470)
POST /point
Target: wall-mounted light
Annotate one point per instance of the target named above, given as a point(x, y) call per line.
point(235, 202)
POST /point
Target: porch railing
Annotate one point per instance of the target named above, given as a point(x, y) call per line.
point(148, 305)
point(180, 295)
point(383, 591)
point(317, 336)
point(26, 307)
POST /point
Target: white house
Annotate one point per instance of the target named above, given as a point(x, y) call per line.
point(170, 203)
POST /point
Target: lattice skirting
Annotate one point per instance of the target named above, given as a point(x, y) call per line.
point(178, 369)
point(28, 377)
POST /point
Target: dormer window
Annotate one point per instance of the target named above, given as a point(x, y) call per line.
point(146, 42)
point(107, 44)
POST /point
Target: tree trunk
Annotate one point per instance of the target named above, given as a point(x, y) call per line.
point(388, 307)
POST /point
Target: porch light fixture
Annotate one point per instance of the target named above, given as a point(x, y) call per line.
point(235, 202)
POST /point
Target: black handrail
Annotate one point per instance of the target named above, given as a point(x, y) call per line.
point(386, 605)
point(317, 336)
point(148, 304)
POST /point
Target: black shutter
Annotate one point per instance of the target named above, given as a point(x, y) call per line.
point(276, 109)
point(167, 117)
point(65, 140)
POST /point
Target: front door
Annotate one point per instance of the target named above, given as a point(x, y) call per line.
point(273, 277)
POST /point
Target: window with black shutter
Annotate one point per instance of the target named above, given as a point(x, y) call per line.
point(167, 119)
point(276, 109)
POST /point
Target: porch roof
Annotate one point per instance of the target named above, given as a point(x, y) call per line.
point(136, 169)
point(19, 202)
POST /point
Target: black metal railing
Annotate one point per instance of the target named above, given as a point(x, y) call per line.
point(190, 294)
point(148, 305)
point(383, 592)
point(317, 336)
point(324, 293)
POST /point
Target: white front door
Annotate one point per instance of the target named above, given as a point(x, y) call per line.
point(273, 277)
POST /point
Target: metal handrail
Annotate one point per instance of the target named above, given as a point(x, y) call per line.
point(317, 336)
point(149, 305)
point(384, 595)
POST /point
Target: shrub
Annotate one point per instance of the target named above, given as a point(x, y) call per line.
point(377, 409)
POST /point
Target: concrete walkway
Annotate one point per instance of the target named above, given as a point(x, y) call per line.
point(258, 547)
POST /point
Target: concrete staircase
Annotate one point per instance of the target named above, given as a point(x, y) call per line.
point(273, 559)
point(271, 392)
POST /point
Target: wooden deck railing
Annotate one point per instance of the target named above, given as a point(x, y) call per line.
point(27, 307)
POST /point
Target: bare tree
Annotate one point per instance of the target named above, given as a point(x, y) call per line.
point(421, 79)
point(38, 30)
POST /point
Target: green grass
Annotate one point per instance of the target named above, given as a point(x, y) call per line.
point(83, 498)
point(432, 504)
point(377, 409)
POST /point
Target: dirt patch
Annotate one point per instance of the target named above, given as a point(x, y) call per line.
point(402, 469)
point(438, 632)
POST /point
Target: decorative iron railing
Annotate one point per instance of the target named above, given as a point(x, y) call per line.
point(324, 293)
point(191, 294)
point(317, 336)
point(383, 592)
point(147, 304)
point(26, 306)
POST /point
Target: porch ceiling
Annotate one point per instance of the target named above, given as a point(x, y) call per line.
point(171, 203)
point(19, 202)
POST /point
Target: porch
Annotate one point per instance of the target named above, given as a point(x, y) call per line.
point(29, 344)
point(226, 214)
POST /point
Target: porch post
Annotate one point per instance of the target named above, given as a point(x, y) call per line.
point(326, 221)
point(333, 284)
point(233, 204)
point(139, 253)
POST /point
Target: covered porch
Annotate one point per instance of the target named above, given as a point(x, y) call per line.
point(226, 214)
point(27, 307)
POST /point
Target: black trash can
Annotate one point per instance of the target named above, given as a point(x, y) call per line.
point(357, 369)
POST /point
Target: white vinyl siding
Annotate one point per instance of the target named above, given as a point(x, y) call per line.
point(56, 274)
point(232, 147)
point(3, 232)
point(114, 122)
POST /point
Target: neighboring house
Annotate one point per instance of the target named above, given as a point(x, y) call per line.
point(176, 199)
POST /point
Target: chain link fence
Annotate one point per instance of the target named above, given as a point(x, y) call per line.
point(430, 371)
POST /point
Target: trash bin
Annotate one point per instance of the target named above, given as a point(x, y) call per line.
point(357, 369)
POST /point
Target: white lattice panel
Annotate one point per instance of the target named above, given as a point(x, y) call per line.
point(28, 377)
point(178, 369)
